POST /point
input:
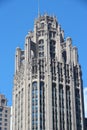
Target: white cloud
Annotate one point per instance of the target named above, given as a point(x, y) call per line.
point(85, 100)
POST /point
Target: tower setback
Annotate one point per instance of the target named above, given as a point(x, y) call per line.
point(48, 88)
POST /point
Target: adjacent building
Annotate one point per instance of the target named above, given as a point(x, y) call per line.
point(85, 123)
point(48, 87)
point(4, 113)
point(11, 119)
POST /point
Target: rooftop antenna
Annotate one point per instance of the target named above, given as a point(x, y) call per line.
point(38, 8)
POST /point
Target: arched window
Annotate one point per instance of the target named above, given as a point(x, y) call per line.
point(41, 42)
point(34, 85)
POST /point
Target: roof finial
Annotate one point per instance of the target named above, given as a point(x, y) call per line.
point(38, 8)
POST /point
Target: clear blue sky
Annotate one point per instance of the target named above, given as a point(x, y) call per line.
point(17, 18)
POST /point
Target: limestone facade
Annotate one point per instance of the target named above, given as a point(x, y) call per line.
point(48, 88)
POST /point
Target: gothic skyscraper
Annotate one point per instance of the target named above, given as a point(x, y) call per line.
point(48, 88)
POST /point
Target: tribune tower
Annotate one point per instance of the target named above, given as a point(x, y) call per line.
point(48, 89)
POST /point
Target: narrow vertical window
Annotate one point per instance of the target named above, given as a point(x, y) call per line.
point(34, 106)
point(42, 107)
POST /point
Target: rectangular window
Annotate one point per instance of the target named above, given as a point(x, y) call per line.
point(5, 119)
point(0, 119)
point(6, 111)
point(41, 54)
point(54, 34)
point(41, 48)
point(0, 109)
point(5, 115)
point(5, 124)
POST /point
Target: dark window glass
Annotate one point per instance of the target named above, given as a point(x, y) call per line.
point(6, 111)
point(5, 119)
point(5, 124)
point(0, 109)
point(0, 119)
point(52, 49)
point(5, 115)
point(34, 105)
point(64, 56)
